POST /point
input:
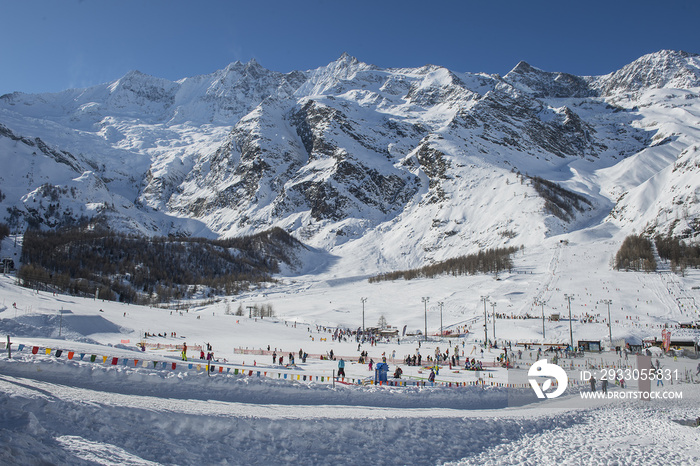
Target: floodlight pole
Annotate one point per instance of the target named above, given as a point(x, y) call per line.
point(363, 315)
point(425, 300)
point(569, 297)
point(441, 303)
point(493, 308)
point(486, 329)
point(609, 302)
point(541, 303)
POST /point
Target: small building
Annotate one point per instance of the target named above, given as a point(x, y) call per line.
point(589, 345)
point(682, 341)
point(7, 265)
point(686, 345)
point(389, 332)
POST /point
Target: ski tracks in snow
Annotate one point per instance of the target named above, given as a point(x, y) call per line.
point(611, 435)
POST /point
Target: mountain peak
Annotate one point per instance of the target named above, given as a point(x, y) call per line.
point(665, 68)
point(345, 57)
point(523, 67)
point(253, 63)
point(546, 83)
point(347, 65)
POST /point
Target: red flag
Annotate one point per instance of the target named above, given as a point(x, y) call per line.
point(35, 350)
point(114, 361)
point(71, 354)
point(174, 365)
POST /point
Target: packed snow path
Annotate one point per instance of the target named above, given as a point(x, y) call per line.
point(55, 413)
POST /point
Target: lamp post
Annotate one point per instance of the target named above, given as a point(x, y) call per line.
point(441, 304)
point(493, 313)
point(363, 314)
point(609, 302)
point(486, 329)
point(569, 297)
point(425, 300)
point(541, 303)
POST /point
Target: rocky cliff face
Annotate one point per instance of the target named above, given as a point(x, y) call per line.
point(351, 153)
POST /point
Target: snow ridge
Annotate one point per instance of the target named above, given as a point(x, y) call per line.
point(409, 165)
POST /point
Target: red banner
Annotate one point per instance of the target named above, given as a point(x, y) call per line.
point(666, 336)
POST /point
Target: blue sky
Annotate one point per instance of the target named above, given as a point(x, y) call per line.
point(51, 45)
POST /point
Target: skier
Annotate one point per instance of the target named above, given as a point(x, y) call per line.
point(184, 351)
point(274, 357)
point(658, 374)
point(371, 363)
point(592, 381)
point(604, 385)
point(698, 372)
point(431, 377)
point(341, 368)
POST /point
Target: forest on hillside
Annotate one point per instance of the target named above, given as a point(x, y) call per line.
point(147, 270)
point(559, 202)
point(490, 261)
point(680, 254)
point(636, 253)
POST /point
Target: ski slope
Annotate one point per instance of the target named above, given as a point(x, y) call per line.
point(72, 411)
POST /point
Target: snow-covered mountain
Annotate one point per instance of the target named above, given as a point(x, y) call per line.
point(387, 167)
